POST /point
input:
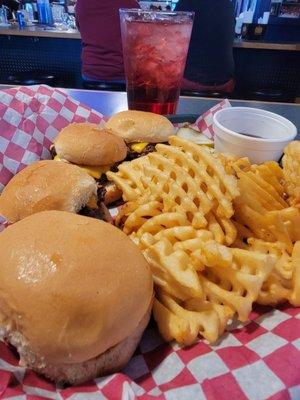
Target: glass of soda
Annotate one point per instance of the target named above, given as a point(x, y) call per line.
point(155, 47)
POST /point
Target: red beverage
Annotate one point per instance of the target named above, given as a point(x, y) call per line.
point(155, 46)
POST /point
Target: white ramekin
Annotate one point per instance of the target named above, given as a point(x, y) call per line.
point(231, 126)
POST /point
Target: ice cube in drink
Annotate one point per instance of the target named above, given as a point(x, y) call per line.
point(155, 47)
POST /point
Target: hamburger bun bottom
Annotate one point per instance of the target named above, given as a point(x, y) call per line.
point(111, 361)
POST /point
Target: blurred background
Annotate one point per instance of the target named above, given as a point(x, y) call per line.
point(257, 48)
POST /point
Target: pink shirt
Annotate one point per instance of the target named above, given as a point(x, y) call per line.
point(99, 26)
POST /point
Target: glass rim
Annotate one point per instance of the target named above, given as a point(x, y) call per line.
point(160, 12)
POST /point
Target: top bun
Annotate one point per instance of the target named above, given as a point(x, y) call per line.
point(71, 287)
point(141, 126)
point(46, 185)
point(87, 144)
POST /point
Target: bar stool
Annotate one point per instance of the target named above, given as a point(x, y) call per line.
point(192, 93)
point(215, 91)
point(104, 85)
point(31, 78)
point(272, 94)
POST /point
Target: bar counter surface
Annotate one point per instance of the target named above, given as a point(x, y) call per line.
point(51, 32)
point(40, 31)
point(109, 103)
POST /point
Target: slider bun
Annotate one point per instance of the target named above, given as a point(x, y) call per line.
point(140, 126)
point(87, 144)
point(112, 360)
point(72, 289)
point(46, 185)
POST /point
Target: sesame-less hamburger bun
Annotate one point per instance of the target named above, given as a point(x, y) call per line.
point(140, 126)
point(46, 185)
point(93, 149)
point(88, 145)
point(75, 295)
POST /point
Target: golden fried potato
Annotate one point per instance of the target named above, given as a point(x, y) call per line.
point(218, 233)
point(205, 321)
point(291, 172)
point(171, 326)
point(180, 178)
point(294, 297)
point(282, 284)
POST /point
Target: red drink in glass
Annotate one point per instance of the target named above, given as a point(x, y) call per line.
point(155, 46)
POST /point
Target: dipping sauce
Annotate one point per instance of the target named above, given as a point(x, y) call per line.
point(251, 132)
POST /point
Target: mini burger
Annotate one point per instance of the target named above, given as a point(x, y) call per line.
point(75, 295)
point(141, 131)
point(51, 185)
point(93, 149)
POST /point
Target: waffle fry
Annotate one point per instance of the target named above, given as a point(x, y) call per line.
point(283, 282)
point(238, 286)
point(224, 313)
point(228, 277)
point(231, 163)
point(291, 171)
point(173, 319)
point(207, 171)
point(202, 250)
point(173, 266)
point(262, 186)
point(176, 328)
point(278, 250)
point(128, 178)
point(223, 229)
point(280, 225)
point(183, 179)
point(218, 233)
point(226, 290)
point(294, 297)
point(271, 172)
point(261, 210)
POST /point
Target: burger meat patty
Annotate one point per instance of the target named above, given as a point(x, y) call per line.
point(101, 212)
point(52, 151)
point(108, 192)
point(131, 154)
point(101, 192)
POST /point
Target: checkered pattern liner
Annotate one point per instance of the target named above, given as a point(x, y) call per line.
point(204, 123)
point(30, 118)
point(257, 361)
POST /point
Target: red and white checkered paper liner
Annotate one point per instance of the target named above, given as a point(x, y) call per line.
point(204, 123)
point(30, 118)
point(257, 361)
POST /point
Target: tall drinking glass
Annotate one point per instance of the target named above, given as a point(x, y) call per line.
point(155, 46)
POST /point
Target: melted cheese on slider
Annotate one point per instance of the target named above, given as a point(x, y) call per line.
point(95, 172)
point(138, 147)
